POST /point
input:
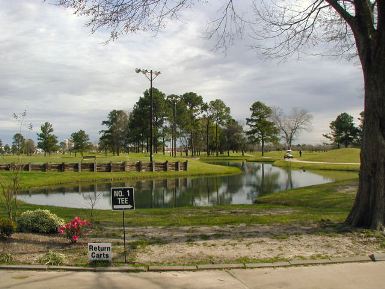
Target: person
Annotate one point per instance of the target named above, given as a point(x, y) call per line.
point(300, 153)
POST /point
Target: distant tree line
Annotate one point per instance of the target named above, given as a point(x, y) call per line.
point(183, 124)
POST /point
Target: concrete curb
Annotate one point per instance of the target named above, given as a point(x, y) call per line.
point(128, 268)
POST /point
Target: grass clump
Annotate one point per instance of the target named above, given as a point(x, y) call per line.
point(52, 258)
point(7, 227)
point(6, 258)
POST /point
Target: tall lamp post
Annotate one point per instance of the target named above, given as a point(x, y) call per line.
point(151, 75)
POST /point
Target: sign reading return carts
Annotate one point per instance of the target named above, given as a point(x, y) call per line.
point(122, 198)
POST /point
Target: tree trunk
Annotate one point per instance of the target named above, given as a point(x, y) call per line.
point(369, 206)
point(216, 138)
point(263, 146)
point(207, 137)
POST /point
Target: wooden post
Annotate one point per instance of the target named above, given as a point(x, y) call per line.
point(186, 165)
point(153, 166)
point(110, 167)
point(139, 167)
point(29, 167)
point(95, 166)
point(177, 166)
point(63, 166)
point(166, 166)
point(46, 167)
point(80, 167)
point(125, 167)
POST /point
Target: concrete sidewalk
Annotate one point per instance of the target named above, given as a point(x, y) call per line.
point(339, 276)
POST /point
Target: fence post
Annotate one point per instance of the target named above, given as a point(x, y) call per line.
point(63, 167)
point(166, 166)
point(46, 167)
point(186, 165)
point(124, 166)
point(139, 167)
point(177, 166)
point(29, 167)
point(110, 167)
point(95, 166)
point(79, 167)
point(153, 166)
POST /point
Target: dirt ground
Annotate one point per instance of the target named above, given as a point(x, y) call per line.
point(192, 245)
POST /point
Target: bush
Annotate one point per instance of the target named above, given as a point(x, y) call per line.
point(52, 258)
point(74, 229)
point(39, 221)
point(7, 227)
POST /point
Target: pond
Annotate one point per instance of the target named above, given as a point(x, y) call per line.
point(255, 180)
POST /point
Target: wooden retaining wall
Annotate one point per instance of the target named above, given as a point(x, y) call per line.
point(96, 167)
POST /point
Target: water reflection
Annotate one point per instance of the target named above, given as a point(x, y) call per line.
point(256, 179)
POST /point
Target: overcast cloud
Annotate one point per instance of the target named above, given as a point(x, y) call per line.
point(56, 70)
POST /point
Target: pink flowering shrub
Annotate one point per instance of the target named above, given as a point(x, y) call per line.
point(74, 229)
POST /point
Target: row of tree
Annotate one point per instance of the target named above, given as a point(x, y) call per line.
point(192, 124)
point(182, 121)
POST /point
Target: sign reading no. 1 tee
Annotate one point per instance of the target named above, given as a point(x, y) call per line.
point(122, 198)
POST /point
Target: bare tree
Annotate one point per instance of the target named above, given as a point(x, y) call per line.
point(292, 124)
point(92, 198)
point(348, 27)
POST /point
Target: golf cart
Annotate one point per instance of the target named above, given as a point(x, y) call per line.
point(288, 155)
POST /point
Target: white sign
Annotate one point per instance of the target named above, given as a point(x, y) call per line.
point(99, 252)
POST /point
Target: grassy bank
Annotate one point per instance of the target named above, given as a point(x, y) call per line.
point(38, 179)
point(317, 166)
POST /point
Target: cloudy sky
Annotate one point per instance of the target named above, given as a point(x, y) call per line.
point(55, 69)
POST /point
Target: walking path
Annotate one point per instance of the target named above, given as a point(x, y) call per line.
point(311, 162)
point(339, 276)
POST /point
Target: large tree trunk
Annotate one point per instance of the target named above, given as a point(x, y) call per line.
point(369, 206)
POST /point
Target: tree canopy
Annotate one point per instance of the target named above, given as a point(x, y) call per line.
point(47, 141)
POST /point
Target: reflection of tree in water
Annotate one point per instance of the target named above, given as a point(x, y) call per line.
point(263, 181)
point(289, 180)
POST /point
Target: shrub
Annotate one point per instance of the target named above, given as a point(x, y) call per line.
point(52, 258)
point(74, 229)
point(39, 221)
point(7, 227)
point(6, 258)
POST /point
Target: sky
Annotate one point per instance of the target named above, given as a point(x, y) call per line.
point(53, 68)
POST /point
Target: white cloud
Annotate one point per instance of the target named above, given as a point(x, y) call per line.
point(55, 69)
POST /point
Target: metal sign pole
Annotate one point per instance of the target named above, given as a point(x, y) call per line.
point(124, 240)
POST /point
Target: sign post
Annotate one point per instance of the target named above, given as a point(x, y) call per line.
point(123, 199)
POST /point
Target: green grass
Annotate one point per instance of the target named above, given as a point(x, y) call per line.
point(311, 166)
point(196, 168)
point(348, 155)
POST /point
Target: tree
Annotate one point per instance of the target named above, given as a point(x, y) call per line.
point(291, 125)
point(343, 130)
point(81, 141)
point(356, 26)
point(234, 136)
point(29, 147)
point(7, 149)
point(47, 141)
point(18, 143)
point(115, 134)
point(193, 103)
point(1, 147)
point(220, 114)
point(262, 129)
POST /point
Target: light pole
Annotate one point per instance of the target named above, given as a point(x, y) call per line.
point(151, 75)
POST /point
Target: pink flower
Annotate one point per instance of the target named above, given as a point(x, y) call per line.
point(75, 238)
